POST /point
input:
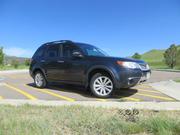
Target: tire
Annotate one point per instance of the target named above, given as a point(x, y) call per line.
point(39, 80)
point(101, 85)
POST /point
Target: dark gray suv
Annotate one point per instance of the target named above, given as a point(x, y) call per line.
point(79, 63)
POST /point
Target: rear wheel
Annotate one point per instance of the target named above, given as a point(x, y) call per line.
point(101, 85)
point(39, 80)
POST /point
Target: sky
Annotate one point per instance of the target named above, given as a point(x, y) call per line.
point(119, 27)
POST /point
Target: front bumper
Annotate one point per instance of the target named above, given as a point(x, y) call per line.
point(145, 76)
point(129, 78)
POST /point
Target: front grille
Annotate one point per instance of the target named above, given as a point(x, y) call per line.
point(144, 66)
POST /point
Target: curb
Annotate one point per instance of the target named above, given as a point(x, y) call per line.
point(169, 88)
point(14, 71)
point(167, 70)
point(119, 105)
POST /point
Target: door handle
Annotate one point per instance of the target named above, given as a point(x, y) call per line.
point(60, 61)
point(42, 61)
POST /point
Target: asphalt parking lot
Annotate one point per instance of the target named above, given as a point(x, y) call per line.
point(20, 86)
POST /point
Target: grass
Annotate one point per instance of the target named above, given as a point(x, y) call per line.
point(177, 80)
point(78, 120)
point(157, 65)
point(5, 67)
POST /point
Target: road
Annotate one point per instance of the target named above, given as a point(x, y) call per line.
point(20, 86)
point(158, 76)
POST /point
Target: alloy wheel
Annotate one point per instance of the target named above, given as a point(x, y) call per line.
point(103, 86)
point(39, 79)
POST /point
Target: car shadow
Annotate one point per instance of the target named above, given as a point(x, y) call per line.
point(69, 88)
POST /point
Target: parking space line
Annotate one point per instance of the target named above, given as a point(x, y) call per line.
point(98, 99)
point(158, 97)
point(152, 96)
point(52, 94)
point(153, 91)
point(130, 98)
point(145, 86)
point(29, 96)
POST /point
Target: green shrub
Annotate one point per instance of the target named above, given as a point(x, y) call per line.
point(15, 63)
point(27, 62)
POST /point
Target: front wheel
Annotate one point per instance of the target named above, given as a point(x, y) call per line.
point(39, 80)
point(101, 85)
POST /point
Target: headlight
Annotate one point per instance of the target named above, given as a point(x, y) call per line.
point(128, 64)
point(147, 66)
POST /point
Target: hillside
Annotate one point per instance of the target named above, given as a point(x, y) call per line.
point(8, 59)
point(153, 55)
point(155, 58)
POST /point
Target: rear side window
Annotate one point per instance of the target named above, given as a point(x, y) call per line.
point(53, 51)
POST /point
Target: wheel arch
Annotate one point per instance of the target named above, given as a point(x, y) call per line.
point(38, 69)
point(99, 69)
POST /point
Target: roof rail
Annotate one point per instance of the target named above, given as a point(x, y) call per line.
point(59, 41)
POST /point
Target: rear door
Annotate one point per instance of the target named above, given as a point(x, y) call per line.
point(52, 65)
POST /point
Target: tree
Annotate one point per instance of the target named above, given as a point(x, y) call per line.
point(15, 63)
point(136, 56)
point(1, 56)
point(27, 62)
point(178, 59)
point(170, 56)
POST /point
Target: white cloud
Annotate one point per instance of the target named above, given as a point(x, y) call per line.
point(19, 52)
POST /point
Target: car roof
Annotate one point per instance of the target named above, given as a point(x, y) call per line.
point(66, 41)
point(58, 41)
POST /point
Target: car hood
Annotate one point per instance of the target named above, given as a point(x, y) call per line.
point(108, 58)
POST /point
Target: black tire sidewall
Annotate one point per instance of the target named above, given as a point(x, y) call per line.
point(92, 83)
point(44, 80)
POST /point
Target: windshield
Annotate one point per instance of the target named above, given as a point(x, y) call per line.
point(92, 50)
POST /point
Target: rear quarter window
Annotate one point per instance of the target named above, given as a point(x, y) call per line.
point(53, 51)
point(39, 53)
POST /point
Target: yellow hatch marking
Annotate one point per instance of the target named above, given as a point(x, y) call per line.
point(158, 97)
point(52, 94)
point(153, 91)
point(21, 91)
point(130, 98)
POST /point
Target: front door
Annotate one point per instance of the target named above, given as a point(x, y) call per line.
point(73, 67)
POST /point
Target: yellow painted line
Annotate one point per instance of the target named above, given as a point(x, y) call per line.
point(145, 86)
point(153, 91)
point(20, 91)
point(132, 99)
point(102, 100)
point(1, 97)
point(98, 99)
point(152, 96)
point(52, 94)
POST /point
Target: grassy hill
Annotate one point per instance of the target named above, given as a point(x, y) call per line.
point(153, 55)
point(155, 58)
point(8, 63)
point(9, 59)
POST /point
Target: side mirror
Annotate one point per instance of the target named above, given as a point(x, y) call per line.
point(77, 54)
